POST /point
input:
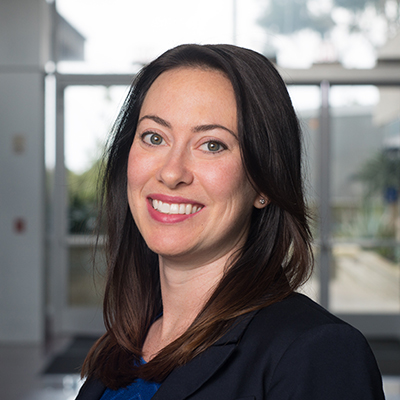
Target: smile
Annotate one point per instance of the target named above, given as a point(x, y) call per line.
point(175, 208)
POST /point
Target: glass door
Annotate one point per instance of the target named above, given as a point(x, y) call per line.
point(365, 184)
point(352, 142)
point(86, 109)
point(352, 161)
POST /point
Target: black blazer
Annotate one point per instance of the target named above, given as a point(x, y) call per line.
point(293, 350)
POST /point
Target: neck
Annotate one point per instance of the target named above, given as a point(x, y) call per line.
point(185, 290)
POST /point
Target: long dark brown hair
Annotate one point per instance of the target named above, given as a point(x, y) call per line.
point(276, 258)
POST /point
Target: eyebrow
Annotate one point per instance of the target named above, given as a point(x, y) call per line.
point(196, 129)
point(210, 127)
point(156, 119)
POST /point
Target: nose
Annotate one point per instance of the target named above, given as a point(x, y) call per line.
point(175, 169)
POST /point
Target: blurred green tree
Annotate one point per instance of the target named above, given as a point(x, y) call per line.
point(83, 196)
point(287, 17)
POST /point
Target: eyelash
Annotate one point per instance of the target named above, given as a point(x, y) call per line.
point(146, 138)
point(222, 145)
point(149, 135)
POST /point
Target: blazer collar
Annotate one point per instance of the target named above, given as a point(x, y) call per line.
point(185, 380)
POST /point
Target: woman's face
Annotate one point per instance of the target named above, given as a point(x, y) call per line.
point(187, 188)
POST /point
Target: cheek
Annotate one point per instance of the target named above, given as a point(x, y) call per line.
point(137, 176)
point(138, 170)
point(228, 182)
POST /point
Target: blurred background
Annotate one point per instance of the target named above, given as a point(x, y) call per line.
point(65, 67)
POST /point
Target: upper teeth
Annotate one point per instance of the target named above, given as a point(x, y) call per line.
point(174, 208)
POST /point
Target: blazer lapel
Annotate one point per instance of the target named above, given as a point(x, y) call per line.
point(185, 380)
point(92, 389)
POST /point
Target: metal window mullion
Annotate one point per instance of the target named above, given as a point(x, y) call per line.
point(59, 248)
point(325, 195)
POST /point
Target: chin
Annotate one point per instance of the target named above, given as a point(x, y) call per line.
point(169, 250)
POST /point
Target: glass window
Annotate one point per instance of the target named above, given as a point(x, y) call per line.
point(305, 32)
point(89, 114)
point(307, 102)
point(365, 184)
point(121, 35)
point(85, 284)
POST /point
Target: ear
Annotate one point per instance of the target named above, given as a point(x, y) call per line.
point(261, 201)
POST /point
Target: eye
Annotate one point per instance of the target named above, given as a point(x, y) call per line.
point(213, 146)
point(152, 138)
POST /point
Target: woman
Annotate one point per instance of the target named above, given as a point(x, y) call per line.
point(208, 240)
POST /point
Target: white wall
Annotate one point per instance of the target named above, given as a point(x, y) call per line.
point(24, 48)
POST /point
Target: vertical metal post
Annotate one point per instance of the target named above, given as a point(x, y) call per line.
point(234, 22)
point(57, 282)
point(59, 263)
point(54, 33)
point(324, 195)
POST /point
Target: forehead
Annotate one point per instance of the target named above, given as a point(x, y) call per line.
point(195, 83)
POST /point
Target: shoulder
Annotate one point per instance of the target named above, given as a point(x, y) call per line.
point(298, 321)
point(298, 311)
point(301, 342)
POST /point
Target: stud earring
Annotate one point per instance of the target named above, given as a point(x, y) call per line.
point(262, 201)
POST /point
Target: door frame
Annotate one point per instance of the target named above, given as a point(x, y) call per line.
point(88, 320)
point(65, 318)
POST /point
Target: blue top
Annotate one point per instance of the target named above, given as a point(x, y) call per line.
point(138, 390)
